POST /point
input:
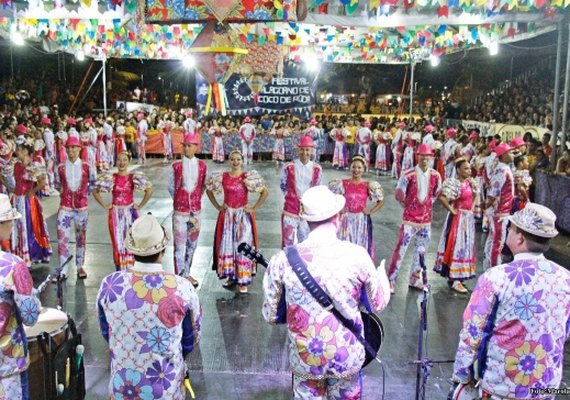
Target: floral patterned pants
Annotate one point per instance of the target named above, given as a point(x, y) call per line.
point(64, 220)
point(328, 389)
point(291, 226)
point(186, 228)
point(247, 151)
point(495, 241)
point(422, 238)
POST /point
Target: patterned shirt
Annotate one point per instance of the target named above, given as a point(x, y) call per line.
point(19, 304)
point(515, 326)
point(151, 320)
point(321, 347)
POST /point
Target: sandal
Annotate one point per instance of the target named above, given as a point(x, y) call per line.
point(243, 289)
point(229, 283)
point(81, 274)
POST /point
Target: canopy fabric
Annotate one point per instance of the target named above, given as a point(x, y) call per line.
point(394, 31)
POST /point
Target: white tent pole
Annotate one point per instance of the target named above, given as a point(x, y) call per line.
point(413, 64)
point(104, 60)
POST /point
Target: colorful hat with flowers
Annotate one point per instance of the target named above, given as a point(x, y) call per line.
point(535, 219)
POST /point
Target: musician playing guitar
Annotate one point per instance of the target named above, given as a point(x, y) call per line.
point(516, 322)
point(325, 356)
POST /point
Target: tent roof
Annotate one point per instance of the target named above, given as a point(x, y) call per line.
point(387, 34)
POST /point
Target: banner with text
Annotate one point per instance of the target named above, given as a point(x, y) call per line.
point(294, 93)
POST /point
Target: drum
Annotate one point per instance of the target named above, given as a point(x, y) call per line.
point(464, 391)
point(55, 323)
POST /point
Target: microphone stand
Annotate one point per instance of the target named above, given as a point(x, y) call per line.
point(423, 365)
point(56, 276)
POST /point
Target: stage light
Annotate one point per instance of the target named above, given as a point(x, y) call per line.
point(80, 55)
point(188, 62)
point(17, 38)
point(494, 48)
point(311, 62)
point(434, 60)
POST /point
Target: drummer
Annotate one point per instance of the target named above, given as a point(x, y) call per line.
point(19, 303)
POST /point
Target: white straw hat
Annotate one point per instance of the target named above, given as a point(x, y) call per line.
point(7, 212)
point(319, 203)
point(146, 236)
point(535, 219)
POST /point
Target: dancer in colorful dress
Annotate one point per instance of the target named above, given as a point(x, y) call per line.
point(500, 196)
point(383, 154)
point(516, 322)
point(280, 133)
point(150, 318)
point(19, 306)
point(340, 153)
point(297, 177)
point(247, 134)
point(416, 191)
point(30, 237)
point(523, 180)
point(355, 218)
point(217, 134)
point(122, 209)
point(236, 221)
point(456, 252)
point(186, 185)
point(409, 156)
point(60, 140)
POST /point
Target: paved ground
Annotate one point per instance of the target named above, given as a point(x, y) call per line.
point(242, 357)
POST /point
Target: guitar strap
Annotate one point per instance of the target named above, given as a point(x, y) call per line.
point(322, 297)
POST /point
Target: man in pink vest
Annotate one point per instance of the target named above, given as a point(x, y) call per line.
point(416, 191)
point(74, 180)
point(186, 186)
point(247, 134)
point(296, 177)
point(499, 203)
point(313, 132)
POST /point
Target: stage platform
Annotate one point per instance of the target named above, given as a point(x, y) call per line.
point(242, 357)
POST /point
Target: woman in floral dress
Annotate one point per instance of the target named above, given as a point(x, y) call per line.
point(355, 221)
point(382, 140)
point(30, 237)
point(278, 154)
point(523, 180)
point(122, 209)
point(236, 220)
point(456, 252)
point(216, 133)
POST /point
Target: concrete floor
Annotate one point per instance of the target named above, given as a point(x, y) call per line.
point(242, 357)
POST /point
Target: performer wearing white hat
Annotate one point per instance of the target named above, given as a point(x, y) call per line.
point(150, 318)
point(516, 322)
point(19, 305)
point(325, 357)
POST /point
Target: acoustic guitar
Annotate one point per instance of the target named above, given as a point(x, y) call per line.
point(372, 326)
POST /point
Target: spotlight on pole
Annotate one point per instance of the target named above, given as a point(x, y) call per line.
point(188, 62)
point(494, 48)
point(311, 62)
point(80, 55)
point(17, 38)
point(434, 60)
